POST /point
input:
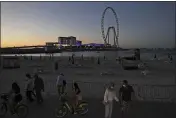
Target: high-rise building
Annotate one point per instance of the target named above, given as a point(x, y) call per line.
point(68, 41)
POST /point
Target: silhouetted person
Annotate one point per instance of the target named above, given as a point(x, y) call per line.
point(14, 97)
point(155, 56)
point(31, 57)
point(64, 86)
point(125, 94)
point(73, 61)
point(69, 59)
point(171, 58)
point(40, 57)
point(104, 58)
point(98, 61)
point(72, 56)
point(29, 87)
point(82, 57)
point(119, 60)
point(56, 65)
point(38, 87)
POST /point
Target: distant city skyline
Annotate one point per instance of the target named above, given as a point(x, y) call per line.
point(142, 24)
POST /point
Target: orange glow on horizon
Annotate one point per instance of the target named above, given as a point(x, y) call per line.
point(35, 41)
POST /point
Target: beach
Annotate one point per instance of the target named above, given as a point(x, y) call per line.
point(88, 72)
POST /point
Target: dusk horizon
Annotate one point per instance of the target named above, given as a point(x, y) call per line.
point(141, 24)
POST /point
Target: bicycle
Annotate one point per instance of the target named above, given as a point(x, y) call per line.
point(66, 107)
point(17, 109)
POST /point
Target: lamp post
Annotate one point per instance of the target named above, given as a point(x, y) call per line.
point(175, 61)
point(175, 69)
point(0, 42)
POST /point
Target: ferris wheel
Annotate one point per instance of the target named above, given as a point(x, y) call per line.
point(114, 28)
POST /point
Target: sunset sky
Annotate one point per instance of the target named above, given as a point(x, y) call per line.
point(142, 24)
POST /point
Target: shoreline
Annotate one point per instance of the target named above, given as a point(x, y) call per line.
point(42, 50)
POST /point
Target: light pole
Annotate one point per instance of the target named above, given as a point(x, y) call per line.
point(175, 69)
point(175, 61)
point(0, 42)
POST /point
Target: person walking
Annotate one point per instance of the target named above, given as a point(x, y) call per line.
point(38, 87)
point(56, 66)
point(126, 92)
point(109, 96)
point(59, 83)
point(29, 87)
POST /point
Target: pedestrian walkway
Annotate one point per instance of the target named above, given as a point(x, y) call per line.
point(96, 109)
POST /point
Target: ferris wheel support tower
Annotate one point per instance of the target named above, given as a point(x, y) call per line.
point(114, 28)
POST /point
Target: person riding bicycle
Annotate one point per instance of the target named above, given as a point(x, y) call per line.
point(15, 96)
point(64, 86)
point(77, 95)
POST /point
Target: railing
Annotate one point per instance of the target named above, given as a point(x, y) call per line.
point(163, 93)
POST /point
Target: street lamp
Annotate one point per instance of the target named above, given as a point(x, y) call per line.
point(175, 69)
point(175, 60)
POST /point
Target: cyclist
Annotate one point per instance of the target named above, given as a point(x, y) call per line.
point(64, 86)
point(15, 96)
point(77, 95)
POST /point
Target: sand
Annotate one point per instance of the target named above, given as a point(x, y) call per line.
point(91, 76)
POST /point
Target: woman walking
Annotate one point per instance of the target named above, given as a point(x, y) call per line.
point(109, 96)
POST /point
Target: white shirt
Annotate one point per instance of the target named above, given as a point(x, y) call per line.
point(29, 85)
point(110, 96)
point(59, 80)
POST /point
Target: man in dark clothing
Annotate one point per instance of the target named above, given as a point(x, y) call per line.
point(125, 93)
point(38, 87)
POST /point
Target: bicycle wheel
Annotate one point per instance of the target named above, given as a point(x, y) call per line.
point(3, 109)
point(61, 112)
point(82, 108)
point(21, 110)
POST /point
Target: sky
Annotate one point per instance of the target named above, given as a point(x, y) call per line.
point(141, 24)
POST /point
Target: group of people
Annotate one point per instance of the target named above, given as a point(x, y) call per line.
point(126, 93)
point(62, 89)
point(34, 86)
point(169, 57)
